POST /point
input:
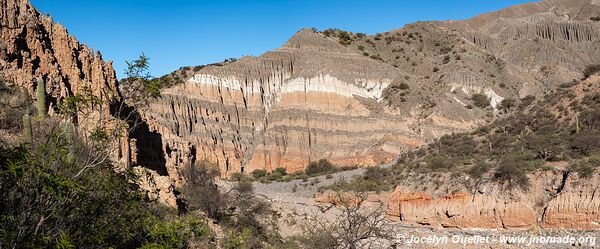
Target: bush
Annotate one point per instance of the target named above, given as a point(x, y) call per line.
point(200, 191)
point(281, 171)
point(586, 141)
point(438, 163)
point(403, 86)
point(512, 172)
point(480, 100)
point(546, 147)
point(583, 169)
point(590, 119)
point(376, 174)
point(13, 104)
point(591, 70)
point(258, 173)
point(478, 170)
point(320, 167)
point(176, 233)
point(508, 104)
point(51, 196)
point(527, 101)
point(446, 59)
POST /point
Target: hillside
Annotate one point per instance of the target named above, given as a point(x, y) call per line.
point(538, 166)
point(358, 99)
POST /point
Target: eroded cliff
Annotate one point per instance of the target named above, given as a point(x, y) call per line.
point(358, 99)
point(310, 99)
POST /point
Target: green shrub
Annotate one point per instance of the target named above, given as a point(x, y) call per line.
point(320, 167)
point(259, 173)
point(281, 171)
point(527, 101)
point(478, 170)
point(508, 104)
point(79, 204)
point(583, 168)
point(176, 233)
point(235, 240)
point(446, 59)
point(585, 142)
point(438, 163)
point(512, 172)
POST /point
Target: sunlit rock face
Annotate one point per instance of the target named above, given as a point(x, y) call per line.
point(284, 109)
point(33, 47)
point(314, 98)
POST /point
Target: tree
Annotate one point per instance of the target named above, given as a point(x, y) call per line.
point(546, 147)
point(200, 191)
point(356, 227)
point(512, 173)
point(586, 141)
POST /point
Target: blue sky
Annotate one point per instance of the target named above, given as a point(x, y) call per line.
point(175, 33)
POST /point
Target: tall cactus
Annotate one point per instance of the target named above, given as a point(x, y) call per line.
point(577, 125)
point(41, 98)
point(27, 131)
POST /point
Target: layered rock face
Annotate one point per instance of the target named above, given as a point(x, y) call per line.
point(555, 199)
point(460, 210)
point(550, 41)
point(364, 99)
point(303, 102)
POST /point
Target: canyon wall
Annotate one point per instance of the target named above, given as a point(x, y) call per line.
point(324, 96)
point(283, 110)
point(556, 199)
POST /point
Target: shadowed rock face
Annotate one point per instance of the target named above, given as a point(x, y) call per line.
point(314, 98)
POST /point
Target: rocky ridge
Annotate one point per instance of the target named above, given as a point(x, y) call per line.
point(363, 99)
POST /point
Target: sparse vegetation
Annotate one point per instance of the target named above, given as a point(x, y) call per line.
point(357, 228)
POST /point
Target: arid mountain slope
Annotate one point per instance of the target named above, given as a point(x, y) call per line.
point(308, 100)
point(357, 99)
point(537, 166)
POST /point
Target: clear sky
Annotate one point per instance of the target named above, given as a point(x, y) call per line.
point(175, 33)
